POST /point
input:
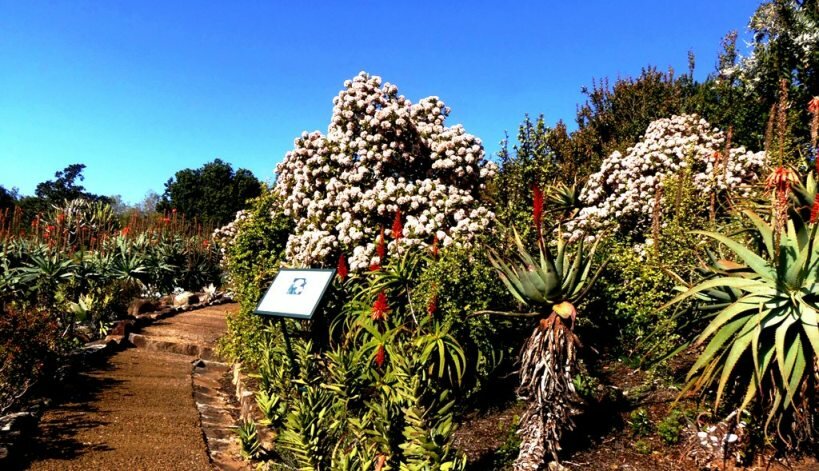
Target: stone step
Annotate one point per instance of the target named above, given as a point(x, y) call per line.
point(172, 345)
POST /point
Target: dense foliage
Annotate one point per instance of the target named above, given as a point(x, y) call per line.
point(211, 194)
point(70, 272)
point(678, 217)
point(763, 338)
point(624, 193)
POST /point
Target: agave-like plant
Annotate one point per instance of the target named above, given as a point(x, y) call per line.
point(551, 286)
point(563, 201)
point(761, 345)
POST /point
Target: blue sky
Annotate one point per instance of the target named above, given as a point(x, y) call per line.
point(139, 90)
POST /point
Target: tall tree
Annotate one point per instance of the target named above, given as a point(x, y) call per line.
point(64, 187)
point(149, 203)
point(212, 194)
point(7, 198)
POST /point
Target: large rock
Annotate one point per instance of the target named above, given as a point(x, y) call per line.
point(141, 306)
point(185, 299)
point(166, 301)
point(119, 332)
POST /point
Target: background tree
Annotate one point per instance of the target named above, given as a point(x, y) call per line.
point(212, 193)
point(614, 117)
point(64, 187)
point(530, 163)
point(149, 202)
point(8, 198)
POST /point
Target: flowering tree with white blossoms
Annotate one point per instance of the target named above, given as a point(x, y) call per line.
point(622, 194)
point(386, 166)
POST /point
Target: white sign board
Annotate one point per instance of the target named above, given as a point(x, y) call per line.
point(295, 293)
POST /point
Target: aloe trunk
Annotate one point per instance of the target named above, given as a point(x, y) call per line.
point(551, 284)
point(548, 390)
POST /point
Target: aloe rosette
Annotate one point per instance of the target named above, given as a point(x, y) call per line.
point(762, 342)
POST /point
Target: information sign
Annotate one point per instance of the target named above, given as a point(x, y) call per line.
point(295, 293)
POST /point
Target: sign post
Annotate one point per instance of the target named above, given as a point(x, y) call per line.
point(295, 294)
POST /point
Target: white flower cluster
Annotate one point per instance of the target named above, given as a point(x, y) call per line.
point(622, 193)
point(381, 154)
point(225, 235)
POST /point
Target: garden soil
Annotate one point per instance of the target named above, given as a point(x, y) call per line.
point(135, 411)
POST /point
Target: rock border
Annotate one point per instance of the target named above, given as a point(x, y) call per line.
point(248, 409)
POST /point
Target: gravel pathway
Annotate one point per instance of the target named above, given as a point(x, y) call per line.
point(134, 412)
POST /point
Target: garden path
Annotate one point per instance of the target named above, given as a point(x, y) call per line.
point(142, 408)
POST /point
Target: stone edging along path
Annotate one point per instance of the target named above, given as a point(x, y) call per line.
point(148, 407)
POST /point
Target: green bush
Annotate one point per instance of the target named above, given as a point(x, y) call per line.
point(670, 428)
point(640, 423)
point(252, 256)
point(458, 284)
point(382, 386)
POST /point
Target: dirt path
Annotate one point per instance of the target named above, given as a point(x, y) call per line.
point(137, 410)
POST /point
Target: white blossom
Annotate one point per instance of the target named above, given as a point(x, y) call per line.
point(381, 153)
point(625, 186)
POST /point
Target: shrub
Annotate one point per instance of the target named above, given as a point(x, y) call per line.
point(30, 343)
point(671, 427)
point(623, 192)
point(382, 159)
point(252, 247)
point(381, 391)
point(455, 286)
point(640, 423)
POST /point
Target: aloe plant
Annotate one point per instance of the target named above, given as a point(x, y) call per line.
point(762, 342)
point(550, 285)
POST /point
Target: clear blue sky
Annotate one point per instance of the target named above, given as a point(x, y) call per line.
point(140, 89)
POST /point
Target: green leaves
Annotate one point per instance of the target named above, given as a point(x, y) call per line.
point(763, 345)
point(550, 279)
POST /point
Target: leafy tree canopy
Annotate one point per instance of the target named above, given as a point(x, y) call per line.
point(8, 198)
point(65, 186)
point(212, 194)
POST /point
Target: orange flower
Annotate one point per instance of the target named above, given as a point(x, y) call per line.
point(537, 208)
point(432, 305)
point(397, 226)
point(813, 105)
point(781, 179)
point(341, 270)
point(814, 211)
point(380, 308)
point(380, 356)
point(435, 246)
